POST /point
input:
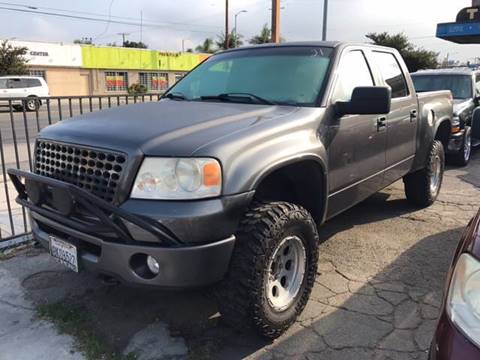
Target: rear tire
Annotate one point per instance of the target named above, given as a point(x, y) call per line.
point(462, 157)
point(272, 270)
point(423, 186)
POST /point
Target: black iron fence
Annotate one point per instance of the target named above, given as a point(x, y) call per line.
point(20, 122)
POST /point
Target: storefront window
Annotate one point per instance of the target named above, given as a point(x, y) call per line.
point(39, 73)
point(154, 81)
point(116, 81)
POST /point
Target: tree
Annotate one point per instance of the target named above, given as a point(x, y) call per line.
point(206, 47)
point(220, 42)
point(84, 40)
point(264, 37)
point(12, 60)
point(135, 44)
point(416, 58)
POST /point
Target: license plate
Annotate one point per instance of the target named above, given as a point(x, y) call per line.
point(64, 252)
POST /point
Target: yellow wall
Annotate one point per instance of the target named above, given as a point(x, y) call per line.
point(141, 59)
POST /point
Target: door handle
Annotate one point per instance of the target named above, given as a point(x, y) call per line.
point(413, 115)
point(381, 123)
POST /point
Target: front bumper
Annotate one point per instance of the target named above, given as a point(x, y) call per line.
point(450, 344)
point(182, 267)
point(116, 241)
point(455, 144)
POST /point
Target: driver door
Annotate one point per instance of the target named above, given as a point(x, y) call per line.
point(357, 143)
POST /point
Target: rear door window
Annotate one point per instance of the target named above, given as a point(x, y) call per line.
point(3, 83)
point(15, 83)
point(392, 73)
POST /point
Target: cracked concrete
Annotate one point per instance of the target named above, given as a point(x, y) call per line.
point(377, 294)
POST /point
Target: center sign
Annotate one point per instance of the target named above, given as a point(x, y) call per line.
point(466, 29)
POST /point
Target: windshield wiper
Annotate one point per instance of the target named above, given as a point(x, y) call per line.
point(233, 96)
point(175, 96)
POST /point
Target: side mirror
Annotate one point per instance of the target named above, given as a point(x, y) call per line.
point(371, 100)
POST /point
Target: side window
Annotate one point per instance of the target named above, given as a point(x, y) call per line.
point(33, 83)
point(15, 83)
point(353, 72)
point(391, 73)
point(3, 83)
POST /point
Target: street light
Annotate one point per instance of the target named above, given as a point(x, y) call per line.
point(236, 32)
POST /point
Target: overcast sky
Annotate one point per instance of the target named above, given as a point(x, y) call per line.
point(193, 20)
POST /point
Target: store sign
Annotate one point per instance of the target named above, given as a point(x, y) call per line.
point(466, 29)
point(50, 54)
point(468, 14)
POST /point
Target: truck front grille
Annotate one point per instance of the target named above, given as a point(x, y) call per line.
point(95, 170)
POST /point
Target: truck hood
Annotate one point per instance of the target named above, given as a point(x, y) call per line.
point(164, 128)
point(461, 105)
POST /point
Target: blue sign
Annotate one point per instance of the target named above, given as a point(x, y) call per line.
point(462, 33)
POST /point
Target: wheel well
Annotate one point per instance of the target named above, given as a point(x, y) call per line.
point(301, 183)
point(443, 133)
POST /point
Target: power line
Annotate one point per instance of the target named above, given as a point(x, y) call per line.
point(32, 7)
point(109, 19)
point(78, 17)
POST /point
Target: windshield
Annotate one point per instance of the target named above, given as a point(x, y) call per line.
point(459, 85)
point(281, 75)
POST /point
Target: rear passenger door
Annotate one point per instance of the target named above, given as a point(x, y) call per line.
point(16, 87)
point(357, 144)
point(402, 120)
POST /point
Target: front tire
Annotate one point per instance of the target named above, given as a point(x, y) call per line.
point(423, 186)
point(462, 157)
point(32, 103)
point(272, 270)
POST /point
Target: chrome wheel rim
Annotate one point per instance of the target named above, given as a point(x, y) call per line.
point(31, 104)
point(285, 273)
point(467, 148)
point(436, 175)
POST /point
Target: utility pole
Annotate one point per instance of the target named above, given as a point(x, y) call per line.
point(141, 25)
point(226, 26)
point(124, 35)
point(275, 21)
point(325, 19)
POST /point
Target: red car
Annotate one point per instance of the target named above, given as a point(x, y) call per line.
point(458, 332)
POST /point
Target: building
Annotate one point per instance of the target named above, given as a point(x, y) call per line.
point(72, 70)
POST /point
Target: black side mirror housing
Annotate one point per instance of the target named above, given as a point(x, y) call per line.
point(369, 100)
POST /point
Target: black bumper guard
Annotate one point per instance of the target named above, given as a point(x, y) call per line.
point(102, 218)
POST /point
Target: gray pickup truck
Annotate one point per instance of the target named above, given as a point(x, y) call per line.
point(226, 180)
point(464, 84)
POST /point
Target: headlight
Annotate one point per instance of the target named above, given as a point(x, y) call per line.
point(456, 125)
point(463, 302)
point(178, 179)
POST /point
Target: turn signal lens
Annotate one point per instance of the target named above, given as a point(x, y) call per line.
point(456, 129)
point(212, 174)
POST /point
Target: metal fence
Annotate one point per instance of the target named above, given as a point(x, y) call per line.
point(18, 130)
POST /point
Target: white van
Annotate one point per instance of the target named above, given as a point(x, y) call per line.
point(29, 87)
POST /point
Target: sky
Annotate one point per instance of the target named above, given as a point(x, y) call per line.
point(169, 23)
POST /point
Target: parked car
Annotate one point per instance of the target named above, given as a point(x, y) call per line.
point(226, 179)
point(458, 333)
point(464, 84)
point(29, 88)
